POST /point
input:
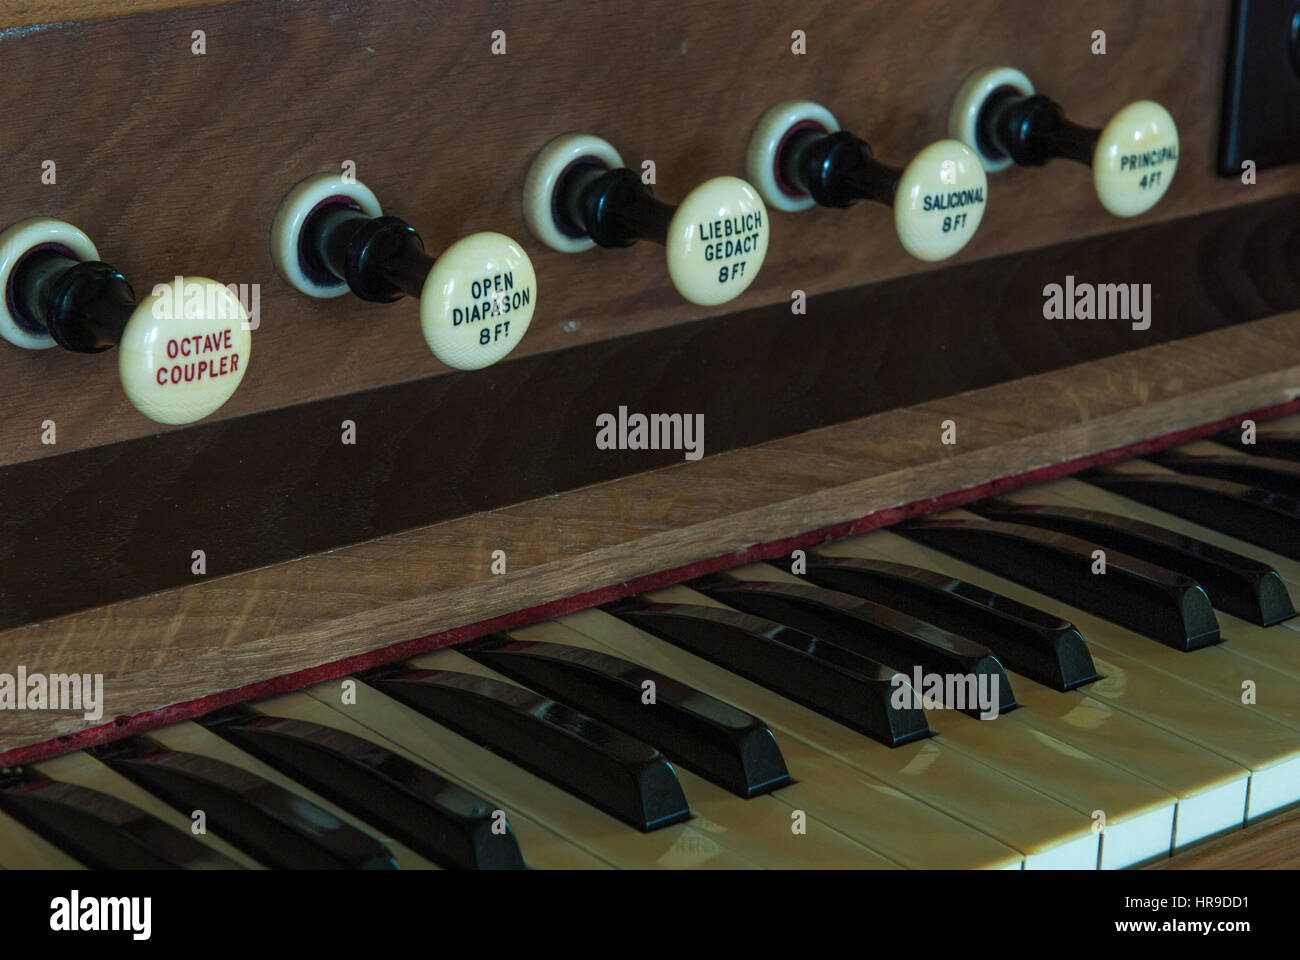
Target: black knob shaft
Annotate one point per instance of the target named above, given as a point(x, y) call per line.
point(837, 169)
point(83, 304)
point(612, 207)
point(382, 259)
point(1033, 130)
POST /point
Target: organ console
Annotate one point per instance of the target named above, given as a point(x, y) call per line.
point(894, 561)
point(798, 155)
point(182, 350)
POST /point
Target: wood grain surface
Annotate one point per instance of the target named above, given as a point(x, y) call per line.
point(175, 163)
point(196, 641)
point(123, 519)
point(27, 13)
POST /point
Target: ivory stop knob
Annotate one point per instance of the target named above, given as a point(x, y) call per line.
point(477, 297)
point(940, 199)
point(578, 195)
point(716, 241)
point(798, 156)
point(182, 350)
point(477, 300)
point(1135, 158)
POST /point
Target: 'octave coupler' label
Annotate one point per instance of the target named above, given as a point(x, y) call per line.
point(199, 357)
point(478, 301)
point(184, 350)
point(717, 241)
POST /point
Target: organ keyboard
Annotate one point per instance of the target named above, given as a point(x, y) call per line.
point(766, 718)
point(957, 530)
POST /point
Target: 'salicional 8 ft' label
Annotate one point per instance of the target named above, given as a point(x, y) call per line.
point(940, 200)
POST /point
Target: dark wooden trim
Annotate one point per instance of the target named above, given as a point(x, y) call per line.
point(96, 526)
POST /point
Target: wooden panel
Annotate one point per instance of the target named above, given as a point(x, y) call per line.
point(122, 520)
point(661, 526)
point(176, 163)
point(26, 13)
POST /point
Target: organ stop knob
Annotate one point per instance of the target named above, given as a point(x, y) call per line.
point(1133, 157)
point(182, 350)
point(578, 194)
point(477, 297)
point(798, 156)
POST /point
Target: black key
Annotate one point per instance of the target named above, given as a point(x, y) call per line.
point(1263, 517)
point(619, 774)
point(1151, 600)
point(732, 748)
point(874, 631)
point(1280, 476)
point(274, 826)
point(826, 678)
point(101, 831)
point(431, 815)
point(1238, 584)
point(1040, 645)
point(1279, 444)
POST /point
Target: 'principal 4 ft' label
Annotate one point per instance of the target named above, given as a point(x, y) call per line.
point(1135, 158)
